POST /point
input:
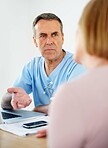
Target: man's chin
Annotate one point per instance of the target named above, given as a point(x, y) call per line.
point(49, 55)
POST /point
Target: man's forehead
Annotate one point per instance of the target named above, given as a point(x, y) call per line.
point(48, 26)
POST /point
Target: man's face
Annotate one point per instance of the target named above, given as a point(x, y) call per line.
point(49, 39)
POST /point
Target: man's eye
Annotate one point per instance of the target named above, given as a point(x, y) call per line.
point(42, 36)
point(54, 34)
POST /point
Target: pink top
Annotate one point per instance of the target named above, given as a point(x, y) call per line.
point(79, 112)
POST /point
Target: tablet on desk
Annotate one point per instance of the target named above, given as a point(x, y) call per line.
point(1, 119)
point(12, 116)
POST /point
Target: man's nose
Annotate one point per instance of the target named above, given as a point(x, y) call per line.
point(49, 40)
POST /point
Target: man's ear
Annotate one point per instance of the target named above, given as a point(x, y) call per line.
point(34, 40)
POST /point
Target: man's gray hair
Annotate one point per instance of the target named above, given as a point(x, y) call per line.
point(46, 16)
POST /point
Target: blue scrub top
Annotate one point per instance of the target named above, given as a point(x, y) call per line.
point(33, 78)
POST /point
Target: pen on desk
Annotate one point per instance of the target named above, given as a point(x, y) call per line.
point(27, 134)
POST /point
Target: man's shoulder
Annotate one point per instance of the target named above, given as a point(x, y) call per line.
point(68, 53)
point(68, 56)
point(69, 59)
point(35, 60)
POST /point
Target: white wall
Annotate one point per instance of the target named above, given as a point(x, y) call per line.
point(16, 44)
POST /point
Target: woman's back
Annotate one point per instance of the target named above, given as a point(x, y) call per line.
point(80, 112)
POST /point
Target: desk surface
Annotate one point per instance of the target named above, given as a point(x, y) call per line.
point(8, 140)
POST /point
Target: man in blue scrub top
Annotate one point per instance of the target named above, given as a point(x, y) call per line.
point(42, 75)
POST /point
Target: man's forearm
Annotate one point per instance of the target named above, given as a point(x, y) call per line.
point(42, 109)
point(6, 101)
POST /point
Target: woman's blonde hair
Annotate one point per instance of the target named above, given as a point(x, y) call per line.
point(94, 26)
